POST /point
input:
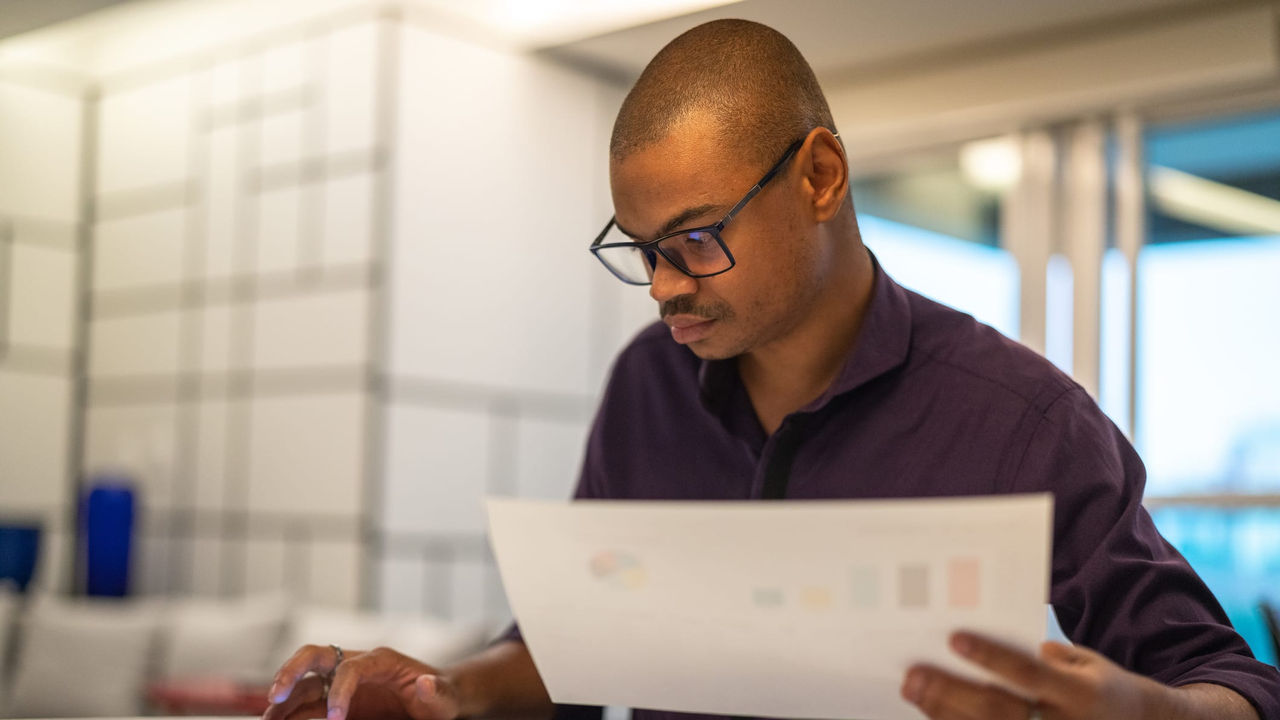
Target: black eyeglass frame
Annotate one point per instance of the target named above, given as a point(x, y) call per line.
point(712, 230)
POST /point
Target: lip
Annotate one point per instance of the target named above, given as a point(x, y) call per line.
point(687, 329)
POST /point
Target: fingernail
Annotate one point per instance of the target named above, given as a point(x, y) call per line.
point(426, 687)
point(963, 644)
point(273, 693)
point(913, 689)
point(335, 714)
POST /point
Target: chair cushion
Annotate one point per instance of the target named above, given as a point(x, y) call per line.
point(233, 640)
point(83, 658)
point(9, 600)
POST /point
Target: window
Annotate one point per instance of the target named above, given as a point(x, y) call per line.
point(934, 227)
point(1207, 404)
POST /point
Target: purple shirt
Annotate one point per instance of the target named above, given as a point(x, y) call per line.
point(932, 403)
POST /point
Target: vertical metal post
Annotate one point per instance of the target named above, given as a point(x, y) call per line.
point(1027, 230)
point(377, 364)
point(6, 282)
point(88, 207)
point(1085, 236)
point(184, 511)
point(244, 303)
point(1131, 230)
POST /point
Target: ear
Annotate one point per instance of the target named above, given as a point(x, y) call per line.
point(826, 173)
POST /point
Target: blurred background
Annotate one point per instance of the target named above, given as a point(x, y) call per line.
point(307, 278)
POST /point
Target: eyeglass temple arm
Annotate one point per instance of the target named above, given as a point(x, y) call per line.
point(760, 185)
point(608, 226)
point(734, 210)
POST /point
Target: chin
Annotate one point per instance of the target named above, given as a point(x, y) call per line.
point(707, 350)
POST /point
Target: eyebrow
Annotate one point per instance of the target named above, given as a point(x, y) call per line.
point(675, 222)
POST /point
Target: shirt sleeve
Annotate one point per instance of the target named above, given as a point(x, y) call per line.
point(1117, 586)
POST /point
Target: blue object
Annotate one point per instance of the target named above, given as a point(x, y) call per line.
point(1234, 551)
point(108, 533)
point(19, 548)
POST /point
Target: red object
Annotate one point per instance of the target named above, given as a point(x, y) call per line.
point(207, 696)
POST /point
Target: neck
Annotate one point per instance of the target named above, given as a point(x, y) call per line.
point(794, 370)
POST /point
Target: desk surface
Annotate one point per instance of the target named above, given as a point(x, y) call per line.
point(207, 696)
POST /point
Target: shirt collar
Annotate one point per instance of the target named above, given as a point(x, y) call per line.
point(881, 346)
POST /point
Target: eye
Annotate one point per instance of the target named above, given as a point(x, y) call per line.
point(650, 257)
point(700, 242)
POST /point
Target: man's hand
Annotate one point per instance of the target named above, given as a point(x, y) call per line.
point(380, 683)
point(1070, 683)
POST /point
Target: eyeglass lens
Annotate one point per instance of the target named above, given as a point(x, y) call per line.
point(695, 253)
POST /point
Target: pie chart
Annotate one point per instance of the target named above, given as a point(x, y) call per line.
point(619, 569)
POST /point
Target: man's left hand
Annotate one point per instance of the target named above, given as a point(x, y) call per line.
point(1068, 682)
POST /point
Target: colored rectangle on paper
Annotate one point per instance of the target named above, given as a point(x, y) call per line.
point(864, 587)
point(964, 580)
point(816, 598)
point(913, 586)
point(768, 597)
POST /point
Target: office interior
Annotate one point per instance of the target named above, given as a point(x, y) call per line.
point(310, 277)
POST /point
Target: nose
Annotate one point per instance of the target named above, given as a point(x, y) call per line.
point(668, 282)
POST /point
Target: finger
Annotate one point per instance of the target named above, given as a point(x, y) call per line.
point(1016, 666)
point(376, 667)
point(390, 671)
point(308, 658)
point(346, 678)
point(306, 711)
point(307, 697)
point(943, 696)
point(1056, 653)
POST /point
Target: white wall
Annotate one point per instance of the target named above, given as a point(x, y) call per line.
point(502, 324)
point(234, 272)
point(339, 289)
point(40, 141)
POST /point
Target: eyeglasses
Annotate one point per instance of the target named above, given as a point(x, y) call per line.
point(697, 252)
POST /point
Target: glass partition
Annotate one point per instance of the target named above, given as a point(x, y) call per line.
point(934, 224)
point(1207, 403)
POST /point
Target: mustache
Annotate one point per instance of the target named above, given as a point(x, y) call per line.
point(684, 305)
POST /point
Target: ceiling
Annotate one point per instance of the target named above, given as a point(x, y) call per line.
point(852, 36)
point(616, 38)
point(20, 16)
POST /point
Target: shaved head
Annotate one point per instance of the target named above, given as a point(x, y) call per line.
point(710, 112)
point(748, 78)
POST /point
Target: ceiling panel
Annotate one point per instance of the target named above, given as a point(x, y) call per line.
point(842, 35)
point(19, 16)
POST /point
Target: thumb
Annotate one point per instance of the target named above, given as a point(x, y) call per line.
point(436, 694)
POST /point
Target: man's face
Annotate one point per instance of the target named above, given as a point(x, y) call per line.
point(689, 179)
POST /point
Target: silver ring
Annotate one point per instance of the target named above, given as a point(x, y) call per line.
point(328, 678)
point(337, 662)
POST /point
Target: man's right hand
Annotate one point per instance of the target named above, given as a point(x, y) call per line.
point(379, 683)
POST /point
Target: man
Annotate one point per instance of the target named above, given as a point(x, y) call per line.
point(790, 365)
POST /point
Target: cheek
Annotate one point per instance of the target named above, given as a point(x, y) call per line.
point(762, 293)
point(775, 273)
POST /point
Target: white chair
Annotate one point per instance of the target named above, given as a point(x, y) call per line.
point(82, 658)
point(9, 602)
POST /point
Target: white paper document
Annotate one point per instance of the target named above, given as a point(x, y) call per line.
point(794, 609)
